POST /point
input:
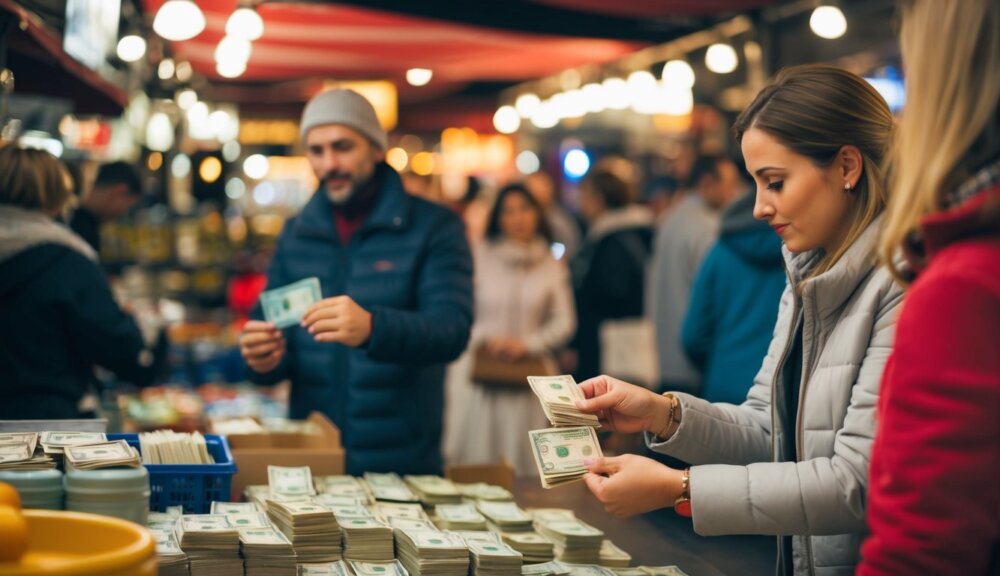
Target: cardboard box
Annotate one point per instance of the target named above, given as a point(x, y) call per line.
point(501, 474)
point(253, 453)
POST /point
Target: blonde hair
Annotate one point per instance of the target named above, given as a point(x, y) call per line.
point(816, 110)
point(949, 125)
point(33, 179)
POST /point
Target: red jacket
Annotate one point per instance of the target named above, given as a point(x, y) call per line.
point(934, 502)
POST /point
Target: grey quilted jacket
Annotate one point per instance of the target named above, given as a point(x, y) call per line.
point(752, 475)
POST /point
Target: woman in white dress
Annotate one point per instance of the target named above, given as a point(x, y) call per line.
point(524, 307)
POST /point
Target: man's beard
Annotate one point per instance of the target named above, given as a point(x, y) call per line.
point(342, 196)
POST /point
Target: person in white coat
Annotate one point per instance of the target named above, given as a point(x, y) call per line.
point(523, 306)
point(792, 459)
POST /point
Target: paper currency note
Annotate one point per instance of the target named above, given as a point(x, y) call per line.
point(286, 305)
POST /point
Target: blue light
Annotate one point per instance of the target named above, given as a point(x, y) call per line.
point(891, 87)
point(576, 163)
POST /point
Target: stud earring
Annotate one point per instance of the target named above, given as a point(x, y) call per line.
point(847, 186)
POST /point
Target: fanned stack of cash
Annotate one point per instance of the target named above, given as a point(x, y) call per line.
point(54, 442)
point(169, 447)
point(338, 568)
point(612, 556)
point(588, 570)
point(459, 517)
point(533, 546)
point(365, 537)
point(171, 560)
point(387, 568)
point(234, 508)
point(484, 491)
point(389, 488)
point(505, 517)
point(553, 568)
point(433, 490)
point(312, 529)
point(290, 483)
point(212, 545)
point(560, 453)
point(558, 395)
point(21, 451)
point(662, 571)
point(285, 306)
point(266, 552)
point(490, 556)
point(576, 541)
point(387, 510)
point(114, 454)
point(346, 486)
point(427, 553)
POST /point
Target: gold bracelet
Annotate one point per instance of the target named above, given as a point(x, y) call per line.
point(672, 419)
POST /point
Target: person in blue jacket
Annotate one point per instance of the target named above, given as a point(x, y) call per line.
point(396, 279)
point(734, 304)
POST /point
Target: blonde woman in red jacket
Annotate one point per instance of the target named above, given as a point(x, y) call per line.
point(934, 505)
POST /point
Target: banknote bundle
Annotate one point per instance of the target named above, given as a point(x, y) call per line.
point(575, 541)
point(484, 491)
point(490, 556)
point(434, 490)
point(345, 486)
point(114, 454)
point(560, 453)
point(558, 395)
point(389, 488)
point(338, 568)
point(459, 517)
point(170, 559)
point(266, 552)
point(505, 517)
point(312, 529)
point(612, 556)
point(22, 451)
point(290, 483)
point(534, 547)
point(285, 306)
point(211, 544)
point(553, 568)
point(365, 536)
point(169, 447)
point(386, 568)
point(432, 553)
point(387, 510)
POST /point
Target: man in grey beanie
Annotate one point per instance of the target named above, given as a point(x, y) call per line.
point(396, 277)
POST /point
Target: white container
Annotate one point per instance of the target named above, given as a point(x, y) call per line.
point(38, 488)
point(118, 492)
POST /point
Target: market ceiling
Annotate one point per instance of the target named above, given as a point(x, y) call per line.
point(473, 48)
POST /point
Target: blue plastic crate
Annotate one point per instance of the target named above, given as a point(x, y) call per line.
point(193, 486)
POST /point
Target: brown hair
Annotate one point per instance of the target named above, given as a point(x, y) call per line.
point(33, 179)
point(949, 128)
point(615, 192)
point(815, 110)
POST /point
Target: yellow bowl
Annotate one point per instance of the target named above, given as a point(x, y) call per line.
point(77, 544)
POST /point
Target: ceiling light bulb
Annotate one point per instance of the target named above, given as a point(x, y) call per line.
point(678, 73)
point(131, 48)
point(179, 20)
point(721, 58)
point(419, 76)
point(245, 23)
point(828, 22)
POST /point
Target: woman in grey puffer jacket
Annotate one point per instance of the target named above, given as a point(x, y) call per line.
point(792, 460)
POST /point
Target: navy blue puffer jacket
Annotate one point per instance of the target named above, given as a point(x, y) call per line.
point(409, 265)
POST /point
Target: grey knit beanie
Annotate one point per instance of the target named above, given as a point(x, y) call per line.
point(346, 107)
